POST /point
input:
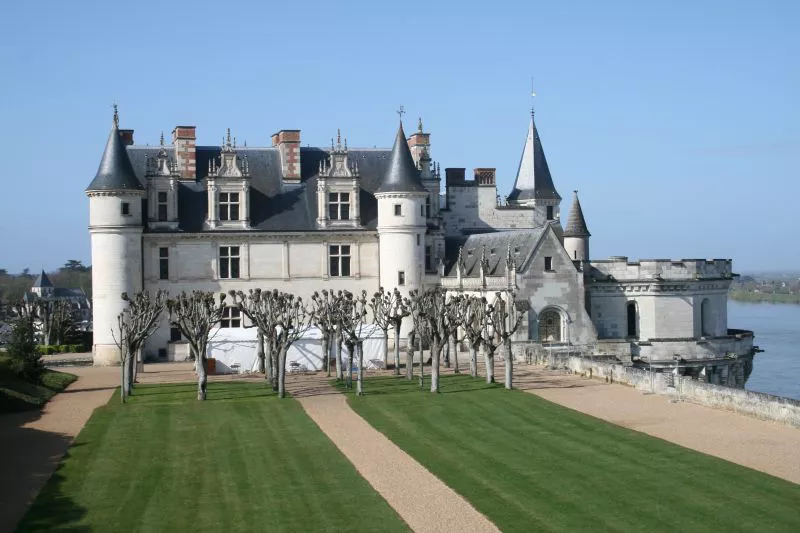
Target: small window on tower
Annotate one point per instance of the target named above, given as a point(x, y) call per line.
point(162, 206)
point(548, 264)
point(549, 212)
point(401, 278)
point(398, 210)
point(126, 209)
point(163, 263)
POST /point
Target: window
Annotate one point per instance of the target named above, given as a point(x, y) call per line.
point(549, 212)
point(419, 239)
point(339, 206)
point(398, 210)
point(427, 207)
point(548, 264)
point(339, 260)
point(428, 262)
point(550, 326)
point(126, 209)
point(422, 210)
point(229, 206)
point(705, 318)
point(633, 329)
point(162, 206)
point(229, 262)
point(163, 263)
point(174, 334)
point(231, 318)
point(401, 278)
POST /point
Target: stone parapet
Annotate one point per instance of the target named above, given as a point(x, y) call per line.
point(620, 269)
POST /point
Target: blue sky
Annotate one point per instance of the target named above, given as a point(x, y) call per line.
point(677, 121)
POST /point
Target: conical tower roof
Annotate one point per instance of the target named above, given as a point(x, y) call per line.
point(576, 224)
point(533, 176)
point(402, 174)
point(115, 172)
point(43, 280)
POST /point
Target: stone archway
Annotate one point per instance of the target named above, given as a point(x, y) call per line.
point(550, 326)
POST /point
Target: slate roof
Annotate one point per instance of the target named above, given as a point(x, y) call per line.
point(576, 224)
point(274, 205)
point(522, 243)
point(533, 180)
point(402, 174)
point(115, 172)
point(43, 280)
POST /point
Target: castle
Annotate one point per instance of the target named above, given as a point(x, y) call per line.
point(181, 216)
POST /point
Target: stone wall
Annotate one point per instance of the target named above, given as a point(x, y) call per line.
point(755, 404)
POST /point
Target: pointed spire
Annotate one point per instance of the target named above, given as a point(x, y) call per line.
point(576, 224)
point(402, 174)
point(115, 172)
point(533, 180)
point(43, 281)
point(161, 142)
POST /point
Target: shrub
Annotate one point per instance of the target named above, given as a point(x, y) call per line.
point(23, 355)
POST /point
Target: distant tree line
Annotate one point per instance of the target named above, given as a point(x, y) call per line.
point(73, 275)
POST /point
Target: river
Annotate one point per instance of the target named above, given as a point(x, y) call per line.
point(777, 331)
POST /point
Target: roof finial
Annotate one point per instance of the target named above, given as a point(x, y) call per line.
point(116, 116)
point(228, 137)
point(338, 136)
point(533, 94)
point(162, 139)
point(401, 112)
point(419, 125)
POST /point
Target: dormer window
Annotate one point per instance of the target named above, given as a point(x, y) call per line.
point(339, 206)
point(162, 206)
point(229, 206)
point(549, 212)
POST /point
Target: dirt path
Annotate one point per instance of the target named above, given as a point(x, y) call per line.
point(766, 446)
point(33, 443)
point(420, 498)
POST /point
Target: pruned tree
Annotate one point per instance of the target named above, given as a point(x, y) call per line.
point(324, 317)
point(388, 311)
point(353, 317)
point(261, 310)
point(293, 320)
point(418, 336)
point(434, 321)
point(506, 319)
point(473, 314)
point(195, 314)
point(135, 324)
point(454, 322)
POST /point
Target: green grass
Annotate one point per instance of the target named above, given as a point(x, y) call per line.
point(243, 460)
point(531, 465)
point(16, 394)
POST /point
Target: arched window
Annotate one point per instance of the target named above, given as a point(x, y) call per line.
point(550, 326)
point(633, 319)
point(705, 318)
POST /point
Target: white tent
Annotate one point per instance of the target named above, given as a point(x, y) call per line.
point(236, 349)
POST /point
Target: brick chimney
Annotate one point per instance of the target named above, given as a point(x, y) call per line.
point(185, 138)
point(484, 177)
point(127, 137)
point(419, 142)
point(288, 144)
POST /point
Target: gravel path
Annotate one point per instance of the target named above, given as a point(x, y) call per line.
point(32, 443)
point(762, 445)
point(420, 498)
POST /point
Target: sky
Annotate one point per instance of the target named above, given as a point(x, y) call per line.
point(676, 121)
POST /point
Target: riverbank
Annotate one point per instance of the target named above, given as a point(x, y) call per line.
point(764, 297)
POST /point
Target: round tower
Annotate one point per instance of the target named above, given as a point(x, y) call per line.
point(401, 221)
point(576, 234)
point(115, 225)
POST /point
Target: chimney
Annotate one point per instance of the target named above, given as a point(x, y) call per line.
point(185, 138)
point(127, 137)
point(484, 177)
point(419, 143)
point(288, 143)
point(454, 176)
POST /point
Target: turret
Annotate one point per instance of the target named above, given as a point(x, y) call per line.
point(401, 220)
point(576, 234)
point(115, 225)
point(533, 186)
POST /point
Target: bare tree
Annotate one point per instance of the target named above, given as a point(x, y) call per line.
point(418, 335)
point(353, 317)
point(260, 307)
point(135, 324)
point(506, 324)
point(473, 311)
point(324, 317)
point(388, 311)
point(454, 321)
point(433, 313)
point(380, 303)
point(293, 321)
point(195, 314)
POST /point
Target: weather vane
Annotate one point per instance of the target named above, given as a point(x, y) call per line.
point(401, 112)
point(533, 93)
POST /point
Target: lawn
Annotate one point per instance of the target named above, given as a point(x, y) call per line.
point(241, 461)
point(16, 394)
point(531, 465)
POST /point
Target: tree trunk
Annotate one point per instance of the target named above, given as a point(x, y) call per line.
point(202, 377)
point(385, 349)
point(455, 356)
point(326, 349)
point(488, 358)
point(509, 363)
point(130, 365)
point(348, 379)
point(446, 347)
point(473, 360)
point(338, 352)
point(282, 372)
point(421, 364)
point(435, 355)
point(360, 384)
point(409, 356)
point(269, 373)
point(260, 354)
point(276, 354)
point(123, 364)
point(397, 352)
